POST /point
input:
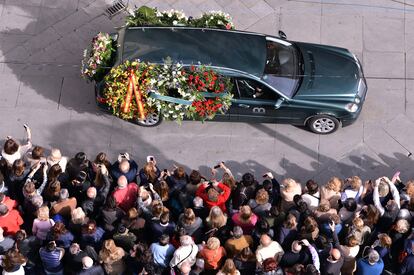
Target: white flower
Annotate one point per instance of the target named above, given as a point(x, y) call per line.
point(175, 22)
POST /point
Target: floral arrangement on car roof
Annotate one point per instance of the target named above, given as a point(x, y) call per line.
point(173, 92)
point(98, 57)
point(145, 16)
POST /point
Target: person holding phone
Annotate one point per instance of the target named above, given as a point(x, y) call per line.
point(124, 166)
point(150, 173)
point(12, 150)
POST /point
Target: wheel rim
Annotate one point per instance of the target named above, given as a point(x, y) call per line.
point(150, 119)
point(324, 125)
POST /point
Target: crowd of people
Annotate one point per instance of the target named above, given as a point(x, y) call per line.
point(81, 215)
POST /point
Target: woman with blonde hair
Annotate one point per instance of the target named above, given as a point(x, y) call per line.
point(359, 230)
point(216, 218)
point(245, 218)
point(288, 192)
point(149, 173)
point(229, 268)
point(78, 219)
point(213, 254)
point(42, 224)
point(260, 204)
point(190, 222)
point(111, 257)
point(332, 192)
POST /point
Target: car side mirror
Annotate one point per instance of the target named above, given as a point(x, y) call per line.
point(279, 103)
point(282, 35)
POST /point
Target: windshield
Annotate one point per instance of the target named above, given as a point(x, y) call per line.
point(282, 66)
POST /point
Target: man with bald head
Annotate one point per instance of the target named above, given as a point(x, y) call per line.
point(125, 194)
point(332, 262)
point(267, 248)
point(124, 167)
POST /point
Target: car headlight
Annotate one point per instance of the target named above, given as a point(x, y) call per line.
point(351, 107)
point(357, 100)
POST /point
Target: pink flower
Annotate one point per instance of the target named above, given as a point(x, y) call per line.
point(228, 26)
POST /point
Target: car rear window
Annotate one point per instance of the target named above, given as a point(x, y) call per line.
point(235, 50)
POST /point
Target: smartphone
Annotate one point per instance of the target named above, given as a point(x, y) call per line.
point(217, 166)
point(25, 126)
point(150, 158)
point(165, 170)
point(265, 175)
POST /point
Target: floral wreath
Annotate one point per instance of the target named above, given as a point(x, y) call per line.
point(145, 16)
point(98, 57)
point(175, 93)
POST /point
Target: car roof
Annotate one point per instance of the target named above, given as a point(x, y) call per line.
point(242, 51)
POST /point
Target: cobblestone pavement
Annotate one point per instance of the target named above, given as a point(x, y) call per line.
point(41, 43)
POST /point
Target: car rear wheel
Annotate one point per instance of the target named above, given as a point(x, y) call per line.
point(323, 124)
point(152, 119)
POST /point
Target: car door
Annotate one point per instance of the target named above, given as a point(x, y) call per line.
point(257, 103)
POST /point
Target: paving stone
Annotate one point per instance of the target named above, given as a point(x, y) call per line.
point(160, 5)
point(19, 19)
point(9, 90)
point(18, 54)
point(402, 130)
point(39, 92)
point(301, 8)
point(189, 10)
point(8, 41)
point(75, 88)
point(35, 3)
point(382, 34)
point(409, 93)
point(267, 25)
point(377, 8)
point(261, 8)
point(409, 32)
point(385, 99)
point(49, 16)
point(212, 5)
point(72, 22)
point(344, 31)
point(67, 4)
point(306, 28)
point(41, 41)
point(242, 16)
point(378, 64)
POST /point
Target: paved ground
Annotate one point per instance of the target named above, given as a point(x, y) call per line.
point(41, 44)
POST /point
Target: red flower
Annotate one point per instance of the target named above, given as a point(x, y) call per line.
point(228, 26)
point(192, 68)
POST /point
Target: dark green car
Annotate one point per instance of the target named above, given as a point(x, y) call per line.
point(275, 80)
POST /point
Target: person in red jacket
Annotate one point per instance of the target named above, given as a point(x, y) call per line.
point(10, 203)
point(125, 194)
point(211, 196)
point(10, 221)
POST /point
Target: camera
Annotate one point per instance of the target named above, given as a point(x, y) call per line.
point(165, 170)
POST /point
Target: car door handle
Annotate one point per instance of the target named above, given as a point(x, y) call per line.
point(244, 106)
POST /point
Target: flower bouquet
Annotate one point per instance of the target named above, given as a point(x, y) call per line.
point(98, 58)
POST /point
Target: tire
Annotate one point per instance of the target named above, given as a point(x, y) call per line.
point(152, 119)
point(323, 124)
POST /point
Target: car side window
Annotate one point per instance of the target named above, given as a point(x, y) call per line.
point(234, 91)
point(250, 89)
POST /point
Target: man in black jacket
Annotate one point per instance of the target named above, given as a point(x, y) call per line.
point(331, 259)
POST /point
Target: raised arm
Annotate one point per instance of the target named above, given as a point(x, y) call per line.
point(394, 191)
point(375, 196)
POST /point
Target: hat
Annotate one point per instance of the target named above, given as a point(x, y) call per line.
point(122, 229)
point(54, 157)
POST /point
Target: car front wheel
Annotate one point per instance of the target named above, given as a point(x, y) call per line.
point(323, 124)
point(152, 119)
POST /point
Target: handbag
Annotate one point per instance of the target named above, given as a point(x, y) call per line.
point(174, 270)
